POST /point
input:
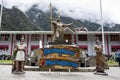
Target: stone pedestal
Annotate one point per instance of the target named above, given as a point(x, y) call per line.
point(100, 73)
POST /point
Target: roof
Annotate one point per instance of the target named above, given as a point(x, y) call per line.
point(26, 32)
point(51, 32)
point(81, 29)
point(68, 30)
point(97, 32)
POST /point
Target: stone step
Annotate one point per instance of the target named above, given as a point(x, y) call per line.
point(80, 69)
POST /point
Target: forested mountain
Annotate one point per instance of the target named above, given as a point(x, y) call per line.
point(35, 20)
point(42, 19)
point(15, 20)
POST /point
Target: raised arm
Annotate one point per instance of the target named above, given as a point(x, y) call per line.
point(65, 25)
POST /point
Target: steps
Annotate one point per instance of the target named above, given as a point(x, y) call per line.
point(80, 69)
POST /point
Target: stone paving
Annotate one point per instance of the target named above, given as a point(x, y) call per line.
point(79, 69)
point(5, 74)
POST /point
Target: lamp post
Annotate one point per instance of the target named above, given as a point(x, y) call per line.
point(103, 39)
point(1, 14)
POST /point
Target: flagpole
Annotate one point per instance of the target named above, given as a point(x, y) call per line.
point(1, 14)
point(103, 39)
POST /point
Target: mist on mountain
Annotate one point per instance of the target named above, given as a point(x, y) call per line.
point(34, 19)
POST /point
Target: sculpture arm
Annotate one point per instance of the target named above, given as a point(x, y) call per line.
point(65, 25)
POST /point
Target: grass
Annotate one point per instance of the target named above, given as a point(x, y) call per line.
point(6, 61)
point(112, 62)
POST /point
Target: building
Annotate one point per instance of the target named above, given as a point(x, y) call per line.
point(84, 39)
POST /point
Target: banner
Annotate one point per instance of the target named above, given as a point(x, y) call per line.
point(60, 56)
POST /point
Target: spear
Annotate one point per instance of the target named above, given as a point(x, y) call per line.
point(51, 22)
point(51, 16)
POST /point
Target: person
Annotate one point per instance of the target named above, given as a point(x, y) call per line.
point(58, 28)
point(118, 56)
point(20, 55)
point(99, 57)
point(119, 59)
point(115, 56)
point(83, 57)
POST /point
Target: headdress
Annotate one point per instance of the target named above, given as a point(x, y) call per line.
point(58, 17)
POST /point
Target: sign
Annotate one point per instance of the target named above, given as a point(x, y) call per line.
point(62, 56)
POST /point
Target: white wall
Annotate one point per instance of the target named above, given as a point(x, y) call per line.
point(33, 43)
point(7, 43)
point(90, 42)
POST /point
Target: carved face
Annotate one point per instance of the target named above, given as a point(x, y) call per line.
point(97, 42)
point(22, 39)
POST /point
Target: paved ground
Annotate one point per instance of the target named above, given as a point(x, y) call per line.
point(5, 74)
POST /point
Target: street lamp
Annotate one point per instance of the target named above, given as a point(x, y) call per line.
point(103, 42)
point(1, 14)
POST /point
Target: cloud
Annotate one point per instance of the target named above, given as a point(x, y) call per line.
point(79, 9)
point(21, 4)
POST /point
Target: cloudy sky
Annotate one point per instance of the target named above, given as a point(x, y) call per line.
point(79, 9)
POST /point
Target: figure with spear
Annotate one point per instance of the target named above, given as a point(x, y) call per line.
point(57, 27)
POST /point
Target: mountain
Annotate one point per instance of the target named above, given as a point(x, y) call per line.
point(35, 19)
point(42, 19)
point(15, 20)
point(115, 28)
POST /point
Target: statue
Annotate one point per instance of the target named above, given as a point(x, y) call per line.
point(57, 27)
point(100, 63)
point(20, 56)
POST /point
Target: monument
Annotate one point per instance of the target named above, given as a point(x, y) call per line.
point(58, 29)
point(59, 54)
point(100, 62)
point(18, 65)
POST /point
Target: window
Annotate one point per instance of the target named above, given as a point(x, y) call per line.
point(49, 37)
point(82, 37)
point(67, 36)
point(33, 47)
point(4, 49)
point(99, 37)
point(115, 48)
point(18, 36)
point(35, 37)
point(114, 37)
point(4, 37)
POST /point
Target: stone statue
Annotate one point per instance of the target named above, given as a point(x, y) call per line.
point(20, 56)
point(58, 28)
point(99, 57)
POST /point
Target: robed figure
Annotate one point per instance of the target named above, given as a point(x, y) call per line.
point(21, 47)
point(99, 57)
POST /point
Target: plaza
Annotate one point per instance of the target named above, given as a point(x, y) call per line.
point(5, 74)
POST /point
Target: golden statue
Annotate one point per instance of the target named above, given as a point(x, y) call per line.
point(57, 27)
